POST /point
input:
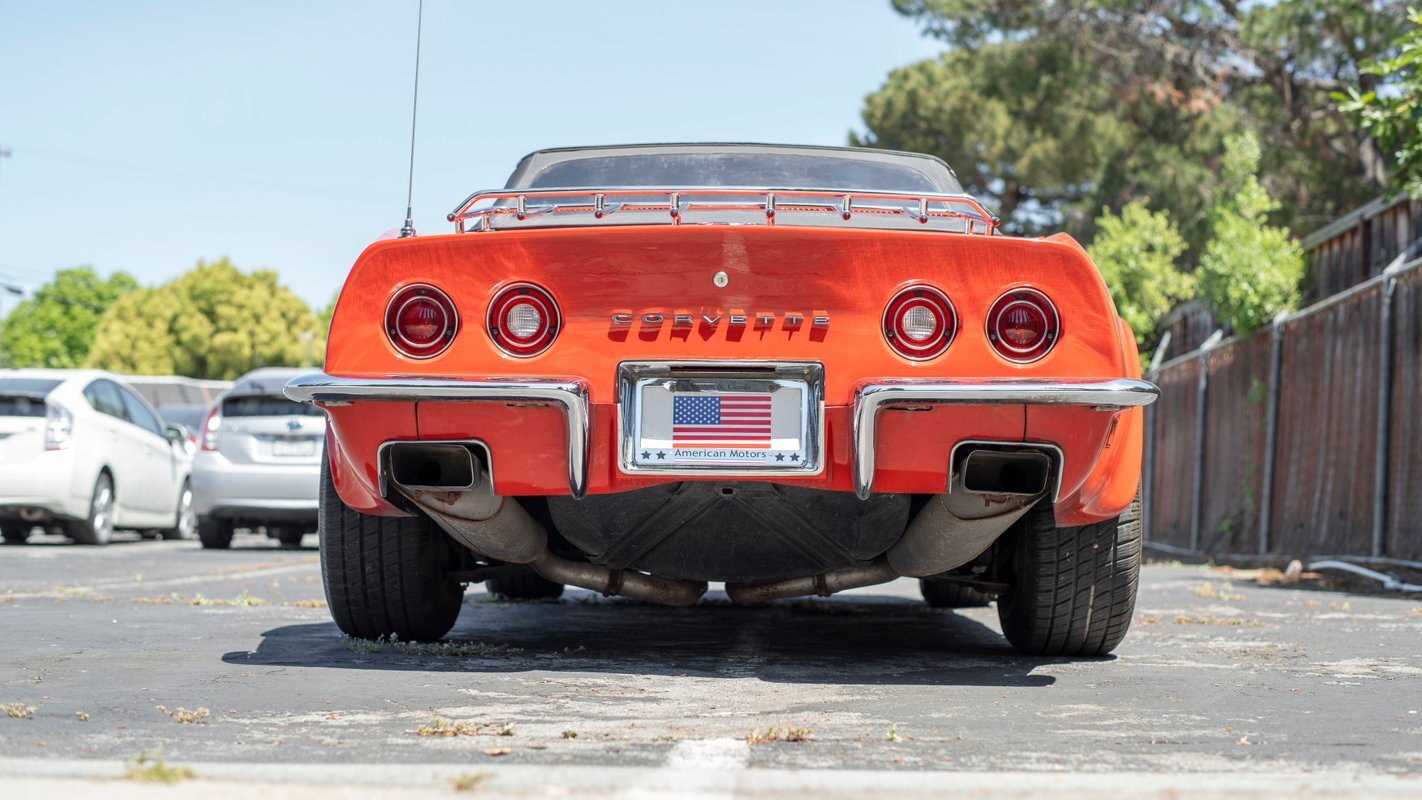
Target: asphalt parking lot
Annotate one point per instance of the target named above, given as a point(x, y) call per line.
point(227, 663)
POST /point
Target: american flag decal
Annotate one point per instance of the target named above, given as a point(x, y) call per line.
point(721, 420)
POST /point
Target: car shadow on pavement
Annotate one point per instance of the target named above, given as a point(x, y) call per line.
point(858, 640)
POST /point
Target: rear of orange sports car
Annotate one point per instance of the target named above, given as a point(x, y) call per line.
point(793, 370)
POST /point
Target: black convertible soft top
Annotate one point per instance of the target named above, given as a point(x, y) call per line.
point(750, 165)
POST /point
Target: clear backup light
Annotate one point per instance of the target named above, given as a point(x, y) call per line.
point(421, 321)
point(523, 320)
point(58, 427)
point(1023, 325)
point(211, 424)
point(920, 323)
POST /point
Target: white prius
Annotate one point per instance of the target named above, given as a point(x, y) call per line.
point(81, 454)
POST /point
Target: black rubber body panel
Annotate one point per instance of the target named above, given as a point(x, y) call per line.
point(1074, 589)
point(385, 576)
point(734, 531)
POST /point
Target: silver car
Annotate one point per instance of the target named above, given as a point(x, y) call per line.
point(258, 462)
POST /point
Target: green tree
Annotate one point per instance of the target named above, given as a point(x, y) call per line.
point(212, 322)
point(1054, 110)
point(1392, 112)
point(1250, 271)
point(1138, 252)
point(54, 328)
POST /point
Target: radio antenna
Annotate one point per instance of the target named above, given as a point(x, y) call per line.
point(409, 228)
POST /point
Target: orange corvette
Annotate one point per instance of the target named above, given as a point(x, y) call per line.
point(794, 370)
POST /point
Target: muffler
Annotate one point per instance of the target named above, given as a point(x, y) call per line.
point(990, 490)
point(448, 483)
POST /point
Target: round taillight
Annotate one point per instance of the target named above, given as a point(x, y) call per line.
point(523, 320)
point(1023, 325)
point(421, 321)
point(919, 323)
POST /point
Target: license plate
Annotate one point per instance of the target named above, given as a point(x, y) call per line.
point(294, 448)
point(723, 424)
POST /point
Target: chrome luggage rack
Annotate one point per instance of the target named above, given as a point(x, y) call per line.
point(513, 208)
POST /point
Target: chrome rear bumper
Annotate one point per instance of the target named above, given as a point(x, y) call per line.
point(571, 395)
point(870, 398)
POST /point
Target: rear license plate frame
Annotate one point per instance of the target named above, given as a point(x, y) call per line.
point(646, 392)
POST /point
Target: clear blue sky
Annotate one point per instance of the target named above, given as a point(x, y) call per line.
point(147, 135)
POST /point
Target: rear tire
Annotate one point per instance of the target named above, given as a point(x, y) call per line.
point(15, 534)
point(98, 527)
point(527, 586)
point(947, 594)
point(1074, 589)
point(385, 576)
point(215, 534)
point(290, 537)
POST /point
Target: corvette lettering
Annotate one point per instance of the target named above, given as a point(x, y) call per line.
point(762, 319)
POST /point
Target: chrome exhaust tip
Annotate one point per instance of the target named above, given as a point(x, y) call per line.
point(1022, 473)
point(438, 467)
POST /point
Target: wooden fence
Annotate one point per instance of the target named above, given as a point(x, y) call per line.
point(1303, 439)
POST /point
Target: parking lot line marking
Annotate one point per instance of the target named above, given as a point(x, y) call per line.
point(185, 581)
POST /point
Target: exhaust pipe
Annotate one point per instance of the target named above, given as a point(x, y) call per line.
point(991, 490)
point(996, 472)
point(455, 491)
point(823, 585)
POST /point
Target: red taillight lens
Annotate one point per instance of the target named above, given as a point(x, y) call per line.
point(919, 323)
point(210, 426)
point(523, 320)
point(1023, 325)
point(421, 321)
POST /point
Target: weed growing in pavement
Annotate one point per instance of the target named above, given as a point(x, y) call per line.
point(505, 729)
point(470, 780)
point(187, 716)
point(149, 767)
point(304, 603)
point(367, 646)
point(893, 734)
point(439, 726)
point(82, 716)
point(455, 649)
point(799, 735)
point(771, 734)
point(467, 649)
point(569, 733)
point(18, 710)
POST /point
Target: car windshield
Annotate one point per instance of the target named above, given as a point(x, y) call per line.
point(263, 405)
point(731, 169)
point(24, 397)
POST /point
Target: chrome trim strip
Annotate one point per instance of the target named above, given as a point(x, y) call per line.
point(571, 395)
point(631, 374)
point(872, 396)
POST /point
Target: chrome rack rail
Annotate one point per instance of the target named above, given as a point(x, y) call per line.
point(489, 210)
